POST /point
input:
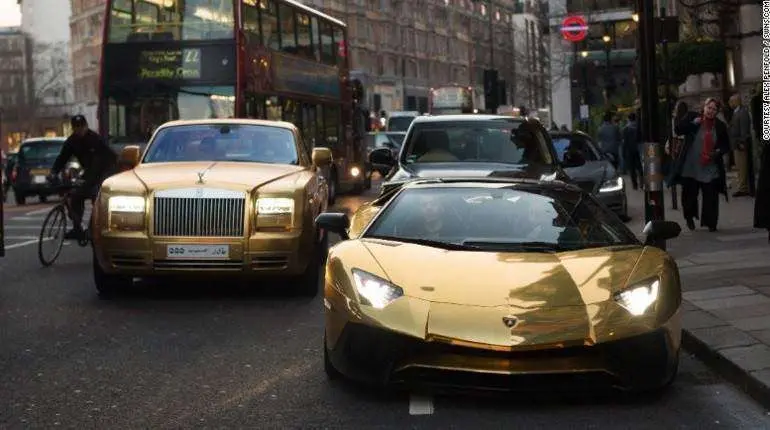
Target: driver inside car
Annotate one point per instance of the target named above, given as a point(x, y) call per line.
point(433, 145)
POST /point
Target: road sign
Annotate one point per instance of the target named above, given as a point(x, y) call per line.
point(574, 28)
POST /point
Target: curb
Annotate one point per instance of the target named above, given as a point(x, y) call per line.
point(725, 368)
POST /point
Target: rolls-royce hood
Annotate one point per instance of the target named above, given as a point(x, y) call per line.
point(241, 175)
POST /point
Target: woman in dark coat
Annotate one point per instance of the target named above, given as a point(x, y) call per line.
point(699, 167)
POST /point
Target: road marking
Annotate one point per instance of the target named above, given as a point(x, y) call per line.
point(21, 237)
point(28, 242)
point(420, 405)
point(22, 227)
point(20, 244)
point(26, 218)
point(38, 212)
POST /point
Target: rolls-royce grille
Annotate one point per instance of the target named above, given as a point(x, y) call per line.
point(199, 213)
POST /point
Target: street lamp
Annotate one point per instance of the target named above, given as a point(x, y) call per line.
point(584, 54)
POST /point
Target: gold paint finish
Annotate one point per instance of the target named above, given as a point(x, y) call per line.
point(279, 245)
point(458, 297)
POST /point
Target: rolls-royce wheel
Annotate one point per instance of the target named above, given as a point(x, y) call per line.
point(109, 285)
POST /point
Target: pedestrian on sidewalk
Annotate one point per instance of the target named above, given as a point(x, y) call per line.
point(740, 142)
point(632, 152)
point(609, 140)
point(700, 167)
point(762, 200)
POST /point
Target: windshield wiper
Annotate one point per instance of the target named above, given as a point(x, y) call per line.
point(515, 245)
point(427, 242)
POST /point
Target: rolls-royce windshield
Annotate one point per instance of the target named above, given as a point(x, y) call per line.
point(217, 142)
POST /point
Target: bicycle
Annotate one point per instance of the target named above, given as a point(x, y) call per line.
point(55, 224)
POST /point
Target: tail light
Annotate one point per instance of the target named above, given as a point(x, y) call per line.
point(14, 173)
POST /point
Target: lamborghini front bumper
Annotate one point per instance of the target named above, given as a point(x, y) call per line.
point(383, 357)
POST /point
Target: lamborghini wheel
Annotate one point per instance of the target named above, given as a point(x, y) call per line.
point(665, 384)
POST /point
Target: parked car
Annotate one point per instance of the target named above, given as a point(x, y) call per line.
point(598, 175)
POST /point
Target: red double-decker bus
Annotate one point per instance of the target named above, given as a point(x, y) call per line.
point(270, 59)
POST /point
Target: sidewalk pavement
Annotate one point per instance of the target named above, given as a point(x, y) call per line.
point(726, 290)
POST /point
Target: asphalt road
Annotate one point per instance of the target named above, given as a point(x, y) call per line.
point(181, 356)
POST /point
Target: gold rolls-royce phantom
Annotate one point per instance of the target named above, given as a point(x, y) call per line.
point(215, 197)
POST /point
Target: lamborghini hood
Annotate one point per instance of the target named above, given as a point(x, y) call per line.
point(520, 280)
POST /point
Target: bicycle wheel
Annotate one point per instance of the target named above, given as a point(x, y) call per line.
point(52, 233)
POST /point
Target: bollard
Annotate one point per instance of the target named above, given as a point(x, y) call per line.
point(654, 202)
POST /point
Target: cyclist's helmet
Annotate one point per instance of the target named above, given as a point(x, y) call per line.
point(78, 121)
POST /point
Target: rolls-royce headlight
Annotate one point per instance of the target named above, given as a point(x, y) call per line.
point(375, 291)
point(275, 213)
point(275, 206)
point(612, 185)
point(126, 204)
point(639, 297)
point(126, 213)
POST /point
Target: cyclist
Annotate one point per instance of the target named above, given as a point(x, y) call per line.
point(98, 161)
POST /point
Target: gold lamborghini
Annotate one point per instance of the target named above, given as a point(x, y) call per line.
point(214, 197)
point(500, 284)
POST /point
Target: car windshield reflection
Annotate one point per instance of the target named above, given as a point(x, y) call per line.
point(489, 141)
point(499, 219)
point(223, 142)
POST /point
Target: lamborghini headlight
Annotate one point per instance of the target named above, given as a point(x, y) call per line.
point(275, 212)
point(126, 213)
point(637, 299)
point(612, 185)
point(375, 291)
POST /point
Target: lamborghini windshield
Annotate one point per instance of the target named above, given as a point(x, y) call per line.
point(507, 141)
point(501, 218)
point(223, 142)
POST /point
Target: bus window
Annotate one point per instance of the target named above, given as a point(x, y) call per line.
point(273, 109)
point(268, 24)
point(340, 46)
point(320, 133)
point(316, 32)
point(309, 123)
point(120, 20)
point(288, 29)
point(327, 44)
point(251, 22)
point(291, 112)
point(141, 20)
point(304, 40)
point(332, 125)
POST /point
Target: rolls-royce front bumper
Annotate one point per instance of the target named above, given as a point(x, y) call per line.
point(262, 254)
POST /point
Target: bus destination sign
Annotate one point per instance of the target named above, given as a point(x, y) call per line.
point(451, 97)
point(170, 64)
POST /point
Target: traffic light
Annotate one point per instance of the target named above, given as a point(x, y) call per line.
point(490, 90)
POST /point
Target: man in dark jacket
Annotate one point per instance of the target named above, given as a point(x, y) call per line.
point(97, 160)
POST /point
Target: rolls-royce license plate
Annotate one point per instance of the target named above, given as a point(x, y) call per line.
point(198, 252)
